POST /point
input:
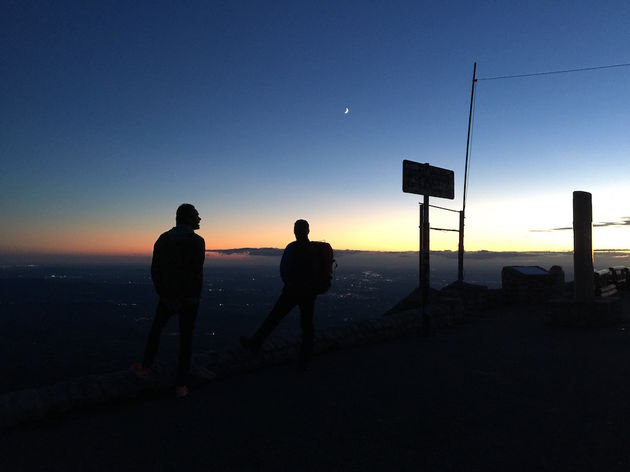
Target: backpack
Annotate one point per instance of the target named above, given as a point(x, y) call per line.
point(324, 265)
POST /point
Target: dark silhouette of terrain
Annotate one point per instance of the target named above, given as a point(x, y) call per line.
point(502, 391)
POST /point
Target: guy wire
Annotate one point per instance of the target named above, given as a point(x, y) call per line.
point(565, 71)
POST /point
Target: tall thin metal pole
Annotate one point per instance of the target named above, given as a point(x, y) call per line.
point(425, 273)
point(420, 247)
point(460, 251)
point(425, 269)
point(460, 255)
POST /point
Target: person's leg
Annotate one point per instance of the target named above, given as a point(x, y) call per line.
point(187, 317)
point(282, 307)
point(307, 307)
point(162, 315)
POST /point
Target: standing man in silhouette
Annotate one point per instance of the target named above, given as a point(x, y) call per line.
point(177, 273)
point(297, 272)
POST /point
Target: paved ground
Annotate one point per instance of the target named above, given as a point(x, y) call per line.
point(501, 393)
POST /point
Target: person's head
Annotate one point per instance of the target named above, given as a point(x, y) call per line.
point(301, 230)
point(187, 215)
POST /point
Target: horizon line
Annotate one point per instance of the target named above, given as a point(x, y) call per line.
point(564, 251)
point(272, 251)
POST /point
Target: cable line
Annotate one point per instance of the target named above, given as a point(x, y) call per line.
point(566, 71)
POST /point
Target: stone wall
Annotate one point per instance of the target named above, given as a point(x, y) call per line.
point(60, 399)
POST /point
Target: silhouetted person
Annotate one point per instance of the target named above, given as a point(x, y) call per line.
point(297, 272)
point(177, 273)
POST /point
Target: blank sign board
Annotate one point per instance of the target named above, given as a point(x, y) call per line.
point(424, 179)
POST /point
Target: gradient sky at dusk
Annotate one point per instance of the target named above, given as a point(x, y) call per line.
point(112, 114)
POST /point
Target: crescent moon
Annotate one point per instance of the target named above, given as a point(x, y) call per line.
point(347, 111)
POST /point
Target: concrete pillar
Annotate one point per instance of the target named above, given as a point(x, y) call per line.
point(583, 246)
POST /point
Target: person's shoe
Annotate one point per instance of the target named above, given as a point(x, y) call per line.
point(250, 345)
point(182, 391)
point(140, 371)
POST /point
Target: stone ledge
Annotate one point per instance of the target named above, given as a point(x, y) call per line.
point(594, 313)
point(59, 399)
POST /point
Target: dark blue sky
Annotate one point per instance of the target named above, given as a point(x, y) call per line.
point(114, 113)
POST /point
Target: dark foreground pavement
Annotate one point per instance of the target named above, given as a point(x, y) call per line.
point(500, 393)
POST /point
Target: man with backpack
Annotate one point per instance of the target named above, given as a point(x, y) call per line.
point(299, 272)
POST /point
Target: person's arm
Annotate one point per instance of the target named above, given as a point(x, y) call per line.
point(200, 257)
point(285, 264)
point(156, 266)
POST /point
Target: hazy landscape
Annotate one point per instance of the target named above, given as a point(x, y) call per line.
point(61, 320)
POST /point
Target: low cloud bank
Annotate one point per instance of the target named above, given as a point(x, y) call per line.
point(624, 221)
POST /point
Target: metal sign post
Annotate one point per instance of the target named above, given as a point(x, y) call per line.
point(425, 263)
point(426, 180)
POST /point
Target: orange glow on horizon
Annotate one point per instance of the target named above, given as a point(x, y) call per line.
point(395, 231)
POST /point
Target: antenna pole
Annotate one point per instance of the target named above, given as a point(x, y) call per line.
point(462, 215)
